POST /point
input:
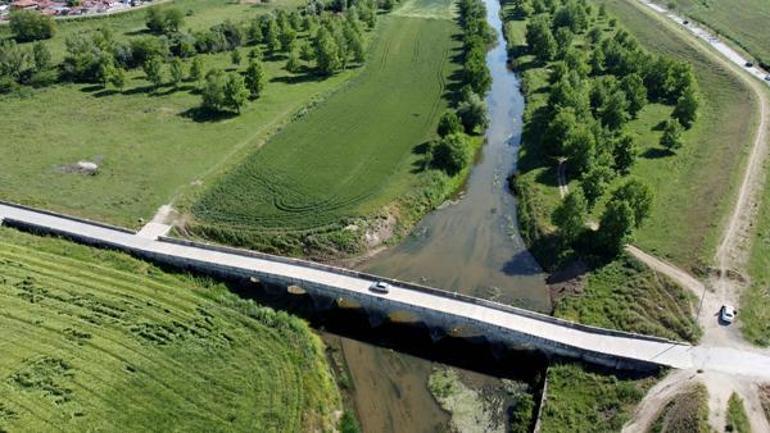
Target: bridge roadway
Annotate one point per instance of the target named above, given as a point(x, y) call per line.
point(545, 332)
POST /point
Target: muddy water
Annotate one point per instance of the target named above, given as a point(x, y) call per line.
point(472, 246)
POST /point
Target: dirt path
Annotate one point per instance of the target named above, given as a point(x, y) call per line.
point(561, 177)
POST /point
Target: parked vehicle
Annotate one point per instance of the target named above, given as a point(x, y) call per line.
point(380, 287)
point(767, 77)
point(749, 65)
point(727, 314)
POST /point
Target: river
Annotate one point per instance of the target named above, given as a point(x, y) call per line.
point(470, 245)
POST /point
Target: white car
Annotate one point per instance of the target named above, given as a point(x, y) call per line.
point(380, 287)
point(727, 314)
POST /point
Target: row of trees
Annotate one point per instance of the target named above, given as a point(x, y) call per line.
point(593, 92)
point(450, 153)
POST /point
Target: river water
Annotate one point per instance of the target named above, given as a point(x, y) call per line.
point(472, 246)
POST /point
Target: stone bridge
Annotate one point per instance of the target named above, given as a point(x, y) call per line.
point(435, 308)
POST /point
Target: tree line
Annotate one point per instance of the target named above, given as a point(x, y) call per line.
point(322, 38)
point(599, 79)
point(469, 114)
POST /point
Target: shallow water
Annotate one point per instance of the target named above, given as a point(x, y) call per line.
point(472, 246)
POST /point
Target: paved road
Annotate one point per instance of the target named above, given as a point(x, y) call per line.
point(624, 346)
point(704, 34)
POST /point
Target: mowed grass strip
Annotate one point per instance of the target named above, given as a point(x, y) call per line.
point(94, 340)
point(743, 21)
point(149, 148)
point(353, 154)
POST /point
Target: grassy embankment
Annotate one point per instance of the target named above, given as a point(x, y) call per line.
point(582, 401)
point(692, 187)
point(737, 420)
point(324, 180)
point(148, 146)
point(94, 340)
point(744, 22)
point(687, 412)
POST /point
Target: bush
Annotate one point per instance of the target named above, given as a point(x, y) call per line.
point(451, 153)
point(31, 26)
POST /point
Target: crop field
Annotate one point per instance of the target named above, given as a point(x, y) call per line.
point(150, 147)
point(94, 340)
point(354, 154)
point(743, 21)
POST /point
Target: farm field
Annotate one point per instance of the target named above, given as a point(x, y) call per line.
point(150, 147)
point(347, 159)
point(94, 340)
point(742, 21)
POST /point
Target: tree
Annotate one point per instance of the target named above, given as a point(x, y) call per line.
point(236, 93)
point(254, 32)
point(639, 197)
point(270, 31)
point(29, 26)
point(164, 21)
point(196, 69)
point(686, 109)
point(292, 63)
point(153, 69)
point(615, 227)
point(451, 153)
point(449, 124)
point(235, 57)
point(328, 59)
point(614, 113)
point(558, 131)
point(672, 135)
point(473, 113)
point(255, 78)
point(595, 183)
point(569, 215)
point(213, 91)
point(635, 91)
point(580, 145)
point(286, 37)
point(41, 57)
point(177, 71)
point(355, 43)
point(540, 39)
point(624, 152)
point(118, 78)
point(106, 70)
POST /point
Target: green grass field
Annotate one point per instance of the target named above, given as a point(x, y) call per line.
point(94, 340)
point(347, 159)
point(579, 400)
point(150, 150)
point(742, 21)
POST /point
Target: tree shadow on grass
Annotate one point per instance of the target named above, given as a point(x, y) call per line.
point(106, 92)
point(660, 126)
point(295, 79)
point(201, 115)
point(657, 153)
point(423, 163)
